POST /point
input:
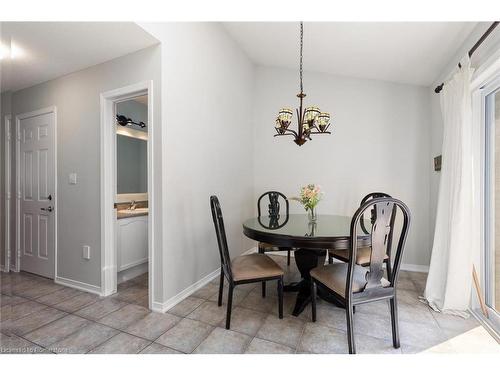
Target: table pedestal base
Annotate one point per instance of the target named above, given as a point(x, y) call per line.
point(306, 260)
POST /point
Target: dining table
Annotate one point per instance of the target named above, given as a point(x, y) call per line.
point(310, 241)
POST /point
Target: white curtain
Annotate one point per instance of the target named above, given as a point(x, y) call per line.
point(448, 286)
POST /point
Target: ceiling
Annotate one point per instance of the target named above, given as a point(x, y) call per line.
point(47, 50)
point(403, 52)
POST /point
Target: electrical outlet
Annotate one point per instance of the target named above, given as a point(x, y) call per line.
point(86, 252)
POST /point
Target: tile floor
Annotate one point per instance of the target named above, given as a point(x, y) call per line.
point(38, 316)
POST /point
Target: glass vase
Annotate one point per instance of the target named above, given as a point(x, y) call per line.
point(311, 214)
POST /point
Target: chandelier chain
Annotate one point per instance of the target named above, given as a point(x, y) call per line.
point(301, 47)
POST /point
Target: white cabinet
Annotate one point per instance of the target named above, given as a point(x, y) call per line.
point(132, 242)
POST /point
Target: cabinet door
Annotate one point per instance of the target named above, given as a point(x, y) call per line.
point(132, 242)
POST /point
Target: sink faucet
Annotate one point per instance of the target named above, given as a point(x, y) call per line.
point(132, 205)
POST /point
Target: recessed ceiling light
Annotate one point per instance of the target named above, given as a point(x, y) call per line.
point(13, 51)
point(16, 51)
point(4, 51)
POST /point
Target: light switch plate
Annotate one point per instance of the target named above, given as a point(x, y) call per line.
point(86, 252)
point(72, 178)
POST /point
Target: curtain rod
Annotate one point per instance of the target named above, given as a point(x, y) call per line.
point(438, 89)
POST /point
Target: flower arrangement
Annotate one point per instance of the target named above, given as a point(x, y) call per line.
point(310, 195)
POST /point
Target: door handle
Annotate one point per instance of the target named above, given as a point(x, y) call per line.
point(50, 209)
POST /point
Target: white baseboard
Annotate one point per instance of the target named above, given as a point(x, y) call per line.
point(94, 289)
point(3, 269)
point(171, 302)
point(132, 272)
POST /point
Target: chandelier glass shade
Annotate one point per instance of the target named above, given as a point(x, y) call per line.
point(310, 120)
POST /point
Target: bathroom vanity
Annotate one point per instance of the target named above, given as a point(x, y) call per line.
point(132, 241)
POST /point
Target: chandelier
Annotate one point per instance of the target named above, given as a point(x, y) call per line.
point(310, 121)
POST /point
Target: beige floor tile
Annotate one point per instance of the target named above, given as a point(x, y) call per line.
point(254, 301)
point(186, 306)
point(420, 335)
point(415, 313)
point(101, 308)
point(33, 321)
point(5, 314)
point(41, 290)
point(206, 292)
point(209, 312)
point(259, 346)
point(59, 296)
point(57, 330)
point(153, 325)
point(84, 340)
point(17, 345)
point(245, 321)
point(186, 335)
point(238, 296)
point(125, 316)
point(285, 331)
point(223, 341)
point(123, 343)
point(14, 300)
point(321, 339)
point(328, 315)
point(371, 345)
point(26, 308)
point(5, 300)
point(131, 294)
point(156, 348)
point(454, 323)
point(371, 325)
point(77, 302)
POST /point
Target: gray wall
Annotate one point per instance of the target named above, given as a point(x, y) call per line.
point(77, 98)
point(207, 109)
point(380, 142)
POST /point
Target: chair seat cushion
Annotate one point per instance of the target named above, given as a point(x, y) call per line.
point(334, 276)
point(362, 255)
point(254, 266)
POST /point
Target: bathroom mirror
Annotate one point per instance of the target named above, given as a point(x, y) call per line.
point(131, 146)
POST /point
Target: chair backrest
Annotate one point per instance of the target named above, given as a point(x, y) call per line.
point(221, 236)
point(373, 215)
point(274, 206)
point(386, 209)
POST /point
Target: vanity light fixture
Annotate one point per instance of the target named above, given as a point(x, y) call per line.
point(124, 121)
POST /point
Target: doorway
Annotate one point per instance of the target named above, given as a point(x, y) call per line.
point(491, 254)
point(127, 194)
point(36, 187)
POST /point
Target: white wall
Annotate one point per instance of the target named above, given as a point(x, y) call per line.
point(207, 111)
point(77, 97)
point(380, 142)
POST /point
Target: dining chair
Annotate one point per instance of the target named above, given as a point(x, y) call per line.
point(352, 285)
point(363, 254)
point(274, 211)
point(243, 269)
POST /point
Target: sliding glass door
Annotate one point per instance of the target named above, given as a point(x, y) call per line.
point(491, 256)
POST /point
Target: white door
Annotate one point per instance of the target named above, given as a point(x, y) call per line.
point(37, 188)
